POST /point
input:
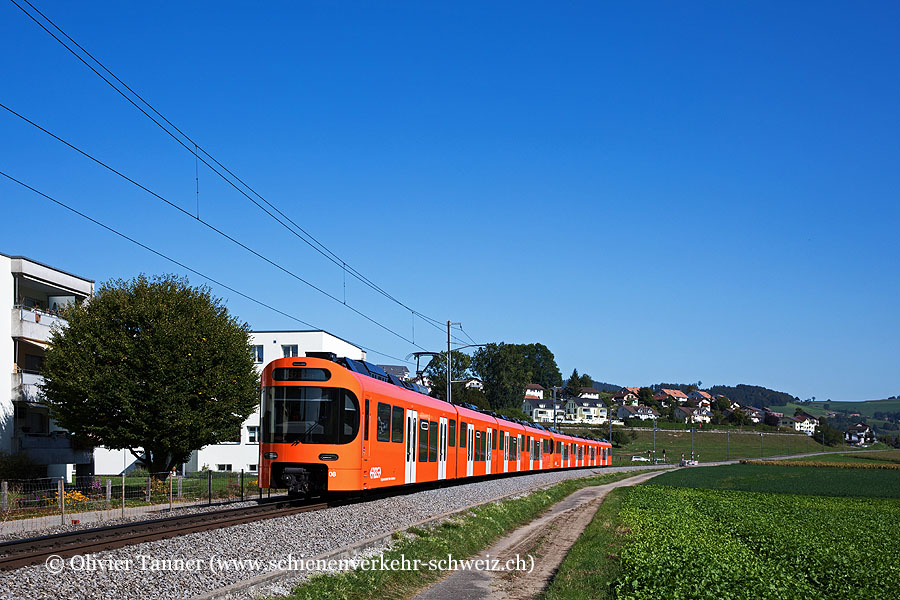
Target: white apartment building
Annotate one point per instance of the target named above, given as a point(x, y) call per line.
point(31, 294)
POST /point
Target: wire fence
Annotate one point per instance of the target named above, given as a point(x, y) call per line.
point(100, 497)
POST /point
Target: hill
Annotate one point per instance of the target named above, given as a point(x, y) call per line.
point(867, 408)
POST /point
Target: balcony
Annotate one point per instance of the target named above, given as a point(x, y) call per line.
point(25, 388)
point(34, 324)
point(53, 449)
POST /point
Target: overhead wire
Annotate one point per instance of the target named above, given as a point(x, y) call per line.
point(179, 263)
point(312, 241)
point(211, 227)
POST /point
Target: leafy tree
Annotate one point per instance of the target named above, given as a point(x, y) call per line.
point(153, 366)
point(436, 371)
point(502, 368)
point(542, 365)
point(739, 417)
point(832, 435)
point(645, 397)
point(722, 403)
point(586, 381)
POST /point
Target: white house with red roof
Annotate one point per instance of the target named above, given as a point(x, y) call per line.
point(675, 396)
point(534, 390)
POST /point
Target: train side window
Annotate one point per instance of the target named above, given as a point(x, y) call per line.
point(397, 425)
point(383, 432)
point(366, 425)
point(433, 442)
point(493, 439)
point(558, 446)
point(463, 433)
point(452, 432)
point(423, 441)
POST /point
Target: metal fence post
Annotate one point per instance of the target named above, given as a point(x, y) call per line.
point(180, 492)
point(108, 490)
point(4, 496)
point(209, 487)
point(123, 494)
point(171, 475)
point(242, 485)
point(727, 444)
point(61, 491)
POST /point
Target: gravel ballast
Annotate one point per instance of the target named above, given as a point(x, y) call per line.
point(198, 563)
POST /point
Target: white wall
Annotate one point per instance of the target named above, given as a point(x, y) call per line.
point(6, 354)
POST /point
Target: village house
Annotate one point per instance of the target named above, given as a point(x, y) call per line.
point(534, 390)
point(674, 396)
point(859, 434)
point(691, 414)
point(644, 413)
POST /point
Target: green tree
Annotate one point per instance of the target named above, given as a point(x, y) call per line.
point(645, 397)
point(832, 435)
point(587, 381)
point(722, 403)
point(542, 364)
point(573, 385)
point(436, 371)
point(502, 368)
point(153, 366)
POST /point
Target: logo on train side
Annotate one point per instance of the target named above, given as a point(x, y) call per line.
point(375, 473)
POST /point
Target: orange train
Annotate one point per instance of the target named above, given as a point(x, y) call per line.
point(331, 424)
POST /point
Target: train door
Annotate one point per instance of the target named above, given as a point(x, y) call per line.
point(540, 454)
point(518, 453)
point(411, 432)
point(470, 449)
point(505, 440)
point(442, 448)
point(531, 446)
point(487, 450)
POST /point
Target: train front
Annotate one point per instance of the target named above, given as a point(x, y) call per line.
point(309, 426)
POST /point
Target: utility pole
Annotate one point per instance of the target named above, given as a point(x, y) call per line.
point(449, 365)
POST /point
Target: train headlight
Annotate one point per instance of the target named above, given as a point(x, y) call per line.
point(270, 455)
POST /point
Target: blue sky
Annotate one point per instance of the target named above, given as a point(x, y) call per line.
point(657, 191)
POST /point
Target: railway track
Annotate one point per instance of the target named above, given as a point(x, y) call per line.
point(32, 551)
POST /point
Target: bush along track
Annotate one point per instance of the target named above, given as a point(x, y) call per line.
point(462, 537)
point(694, 543)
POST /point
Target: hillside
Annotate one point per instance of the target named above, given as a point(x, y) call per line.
point(867, 408)
point(745, 395)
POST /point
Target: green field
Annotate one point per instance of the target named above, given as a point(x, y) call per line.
point(714, 446)
point(692, 543)
point(867, 408)
point(884, 457)
point(775, 479)
point(698, 533)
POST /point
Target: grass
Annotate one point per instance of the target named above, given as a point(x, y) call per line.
point(883, 457)
point(866, 408)
point(461, 537)
point(712, 446)
point(592, 566)
point(775, 479)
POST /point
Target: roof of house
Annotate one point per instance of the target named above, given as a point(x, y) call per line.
point(633, 390)
point(534, 386)
point(590, 390)
point(674, 393)
point(704, 394)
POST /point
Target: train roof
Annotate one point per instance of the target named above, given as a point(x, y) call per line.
point(367, 369)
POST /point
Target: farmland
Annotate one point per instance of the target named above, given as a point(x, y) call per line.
point(723, 544)
point(712, 446)
point(742, 531)
point(777, 479)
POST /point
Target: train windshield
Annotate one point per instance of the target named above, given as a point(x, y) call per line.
point(309, 415)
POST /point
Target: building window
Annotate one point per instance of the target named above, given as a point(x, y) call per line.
point(253, 468)
point(253, 434)
point(257, 354)
point(226, 467)
point(290, 350)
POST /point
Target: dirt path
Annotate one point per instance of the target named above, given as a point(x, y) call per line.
point(548, 539)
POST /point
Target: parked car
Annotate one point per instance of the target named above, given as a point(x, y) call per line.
point(639, 459)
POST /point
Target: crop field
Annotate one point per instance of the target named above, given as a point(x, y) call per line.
point(693, 543)
point(887, 457)
point(715, 446)
point(776, 479)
